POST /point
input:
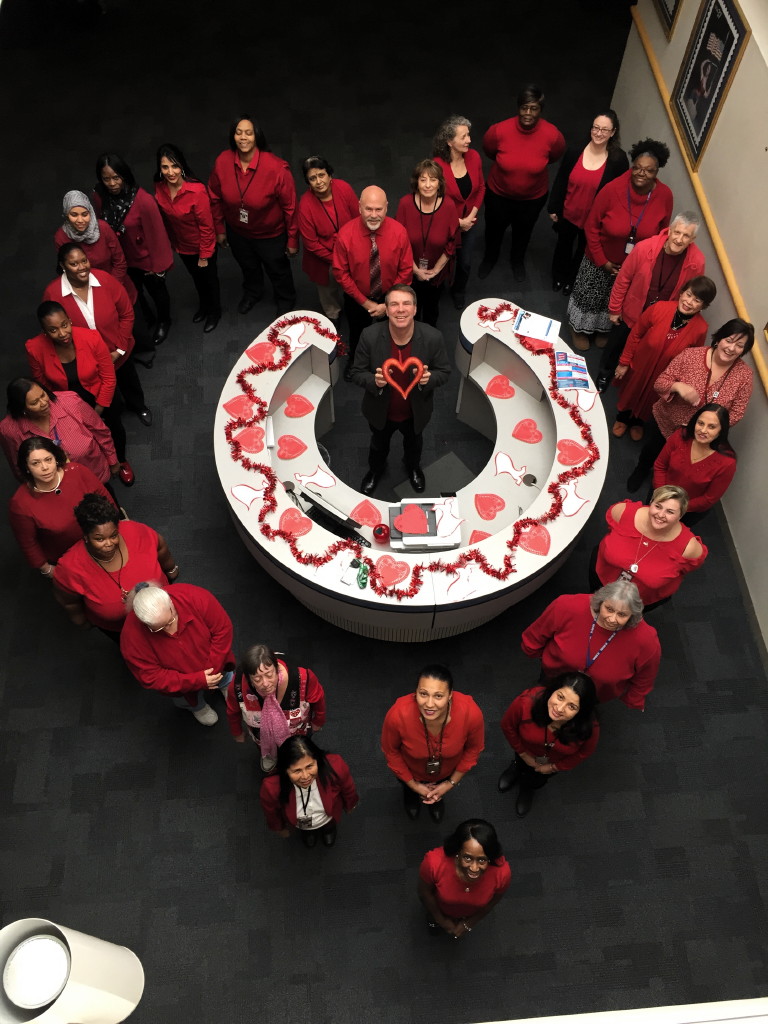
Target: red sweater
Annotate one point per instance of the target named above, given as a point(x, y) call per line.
point(266, 190)
point(336, 795)
point(526, 737)
point(474, 167)
point(705, 481)
point(430, 234)
point(142, 235)
point(690, 367)
point(405, 746)
point(609, 223)
point(352, 257)
point(626, 669)
point(94, 365)
point(438, 871)
point(112, 311)
point(105, 253)
point(176, 664)
point(314, 696)
point(660, 571)
point(520, 158)
point(43, 522)
point(188, 218)
point(319, 224)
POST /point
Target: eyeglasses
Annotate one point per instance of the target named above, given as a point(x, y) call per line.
point(601, 131)
point(159, 629)
point(265, 672)
point(480, 861)
point(645, 172)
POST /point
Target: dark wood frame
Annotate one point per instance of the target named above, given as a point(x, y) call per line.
point(668, 11)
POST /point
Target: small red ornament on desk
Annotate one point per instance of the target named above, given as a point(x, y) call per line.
point(381, 533)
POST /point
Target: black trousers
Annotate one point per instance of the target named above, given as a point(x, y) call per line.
point(130, 386)
point(654, 442)
point(518, 214)
point(380, 441)
point(617, 339)
point(113, 419)
point(427, 301)
point(157, 290)
point(358, 318)
point(206, 282)
point(569, 250)
point(259, 256)
point(528, 777)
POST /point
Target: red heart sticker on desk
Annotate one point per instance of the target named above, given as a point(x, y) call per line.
point(239, 407)
point(298, 405)
point(391, 367)
point(263, 352)
point(251, 439)
point(570, 453)
point(477, 535)
point(366, 514)
point(488, 505)
point(499, 387)
point(292, 521)
point(526, 430)
point(289, 447)
point(392, 572)
point(413, 519)
point(535, 539)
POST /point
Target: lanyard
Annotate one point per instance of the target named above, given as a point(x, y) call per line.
point(633, 228)
point(305, 803)
point(244, 192)
point(425, 236)
point(334, 223)
point(438, 754)
point(589, 660)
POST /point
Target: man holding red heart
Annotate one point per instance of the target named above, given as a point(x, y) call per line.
point(399, 363)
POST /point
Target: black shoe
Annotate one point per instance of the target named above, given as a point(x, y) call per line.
point(368, 486)
point(635, 480)
point(145, 359)
point(211, 322)
point(412, 803)
point(246, 304)
point(524, 802)
point(309, 839)
point(436, 811)
point(329, 836)
point(567, 289)
point(161, 332)
point(484, 269)
point(348, 371)
point(508, 778)
point(518, 271)
point(198, 317)
point(602, 383)
point(145, 415)
point(459, 299)
point(416, 478)
point(557, 286)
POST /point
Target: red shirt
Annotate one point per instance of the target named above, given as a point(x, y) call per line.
point(94, 365)
point(705, 481)
point(266, 191)
point(661, 565)
point(474, 166)
point(105, 253)
point(690, 367)
point(319, 224)
point(352, 257)
point(520, 158)
point(112, 311)
point(336, 794)
point(43, 522)
point(175, 664)
point(580, 192)
point(526, 737)
point(609, 222)
point(405, 745)
point(438, 871)
point(142, 235)
point(430, 234)
point(188, 218)
point(78, 573)
point(626, 668)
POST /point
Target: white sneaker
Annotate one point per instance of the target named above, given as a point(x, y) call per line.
point(206, 715)
point(268, 764)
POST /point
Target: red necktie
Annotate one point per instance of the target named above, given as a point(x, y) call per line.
point(375, 267)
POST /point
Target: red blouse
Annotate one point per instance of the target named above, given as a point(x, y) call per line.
point(188, 218)
point(690, 367)
point(319, 224)
point(266, 192)
point(580, 192)
point(438, 871)
point(609, 222)
point(405, 745)
point(520, 157)
point(526, 737)
point(430, 234)
point(705, 481)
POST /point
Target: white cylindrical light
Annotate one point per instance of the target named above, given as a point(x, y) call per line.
point(36, 971)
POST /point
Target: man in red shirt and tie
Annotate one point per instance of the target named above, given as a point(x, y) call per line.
point(371, 255)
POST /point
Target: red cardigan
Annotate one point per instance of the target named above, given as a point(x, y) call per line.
point(105, 253)
point(608, 223)
point(405, 747)
point(319, 224)
point(474, 167)
point(143, 235)
point(352, 254)
point(526, 737)
point(268, 194)
point(94, 365)
point(441, 229)
point(112, 311)
point(626, 669)
point(188, 218)
point(337, 795)
point(520, 158)
point(705, 481)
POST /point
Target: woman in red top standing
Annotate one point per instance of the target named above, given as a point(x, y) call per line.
point(95, 237)
point(521, 148)
point(465, 185)
point(186, 212)
point(253, 199)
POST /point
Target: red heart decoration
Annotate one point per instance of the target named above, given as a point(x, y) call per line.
point(298, 405)
point(392, 365)
point(500, 387)
point(477, 535)
point(366, 514)
point(292, 521)
point(240, 406)
point(263, 352)
point(413, 519)
point(289, 447)
point(570, 453)
point(526, 430)
point(488, 505)
point(535, 539)
point(251, 439)
point(538, 345)
point(392, 572)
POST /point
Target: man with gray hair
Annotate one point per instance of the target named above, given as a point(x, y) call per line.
point(179, 645)
point(654, 271)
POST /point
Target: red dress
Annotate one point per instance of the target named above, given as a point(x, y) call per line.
point(526, 737)
point(438, 871)
point(405, 745)
point(430, 234)
point(705, 481)
point(319, 224)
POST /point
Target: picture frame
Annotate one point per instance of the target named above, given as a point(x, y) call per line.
point(668, 10)
point(712, 56)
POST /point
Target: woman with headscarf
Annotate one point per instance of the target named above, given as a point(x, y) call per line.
point(94, 236)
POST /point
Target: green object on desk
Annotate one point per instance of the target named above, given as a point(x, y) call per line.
point(362, 576)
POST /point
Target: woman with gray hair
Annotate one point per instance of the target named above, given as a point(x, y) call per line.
point(602, 634)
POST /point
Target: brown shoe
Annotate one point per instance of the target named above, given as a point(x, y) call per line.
point(619, 429)
point(580, 341)
point(636, 432)
point(601, 340)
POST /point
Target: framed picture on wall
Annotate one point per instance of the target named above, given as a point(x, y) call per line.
point(668, 12)
point(711, 58)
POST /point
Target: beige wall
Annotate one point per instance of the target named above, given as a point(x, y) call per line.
point(734, 175)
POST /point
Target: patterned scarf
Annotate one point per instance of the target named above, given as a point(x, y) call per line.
point(115, 208)
point(274, 729)
point(91, 233)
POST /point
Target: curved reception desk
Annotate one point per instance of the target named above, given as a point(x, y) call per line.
point(451, 562)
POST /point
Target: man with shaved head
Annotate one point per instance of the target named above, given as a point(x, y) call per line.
point(371, 255)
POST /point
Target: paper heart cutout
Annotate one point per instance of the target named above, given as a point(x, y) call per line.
point(570, 453)
point(526, 430)
point(500, 387)
point(535, 539)
point(247, 495)
point(240, 407)
point(251, 439)
point(537, 345)
point(392, 572)
point(488, 505)
point(477, 535)
point(298, 405)
point(262, 352)
point(366, 514)
point(292, 521)
point(413, 519)
point(391, 365)
point(289, 447)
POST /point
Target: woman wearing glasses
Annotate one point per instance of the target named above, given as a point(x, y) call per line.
point(461, 881)
point(581, 175)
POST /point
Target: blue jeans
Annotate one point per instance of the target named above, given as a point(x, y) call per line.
point(181, 702)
